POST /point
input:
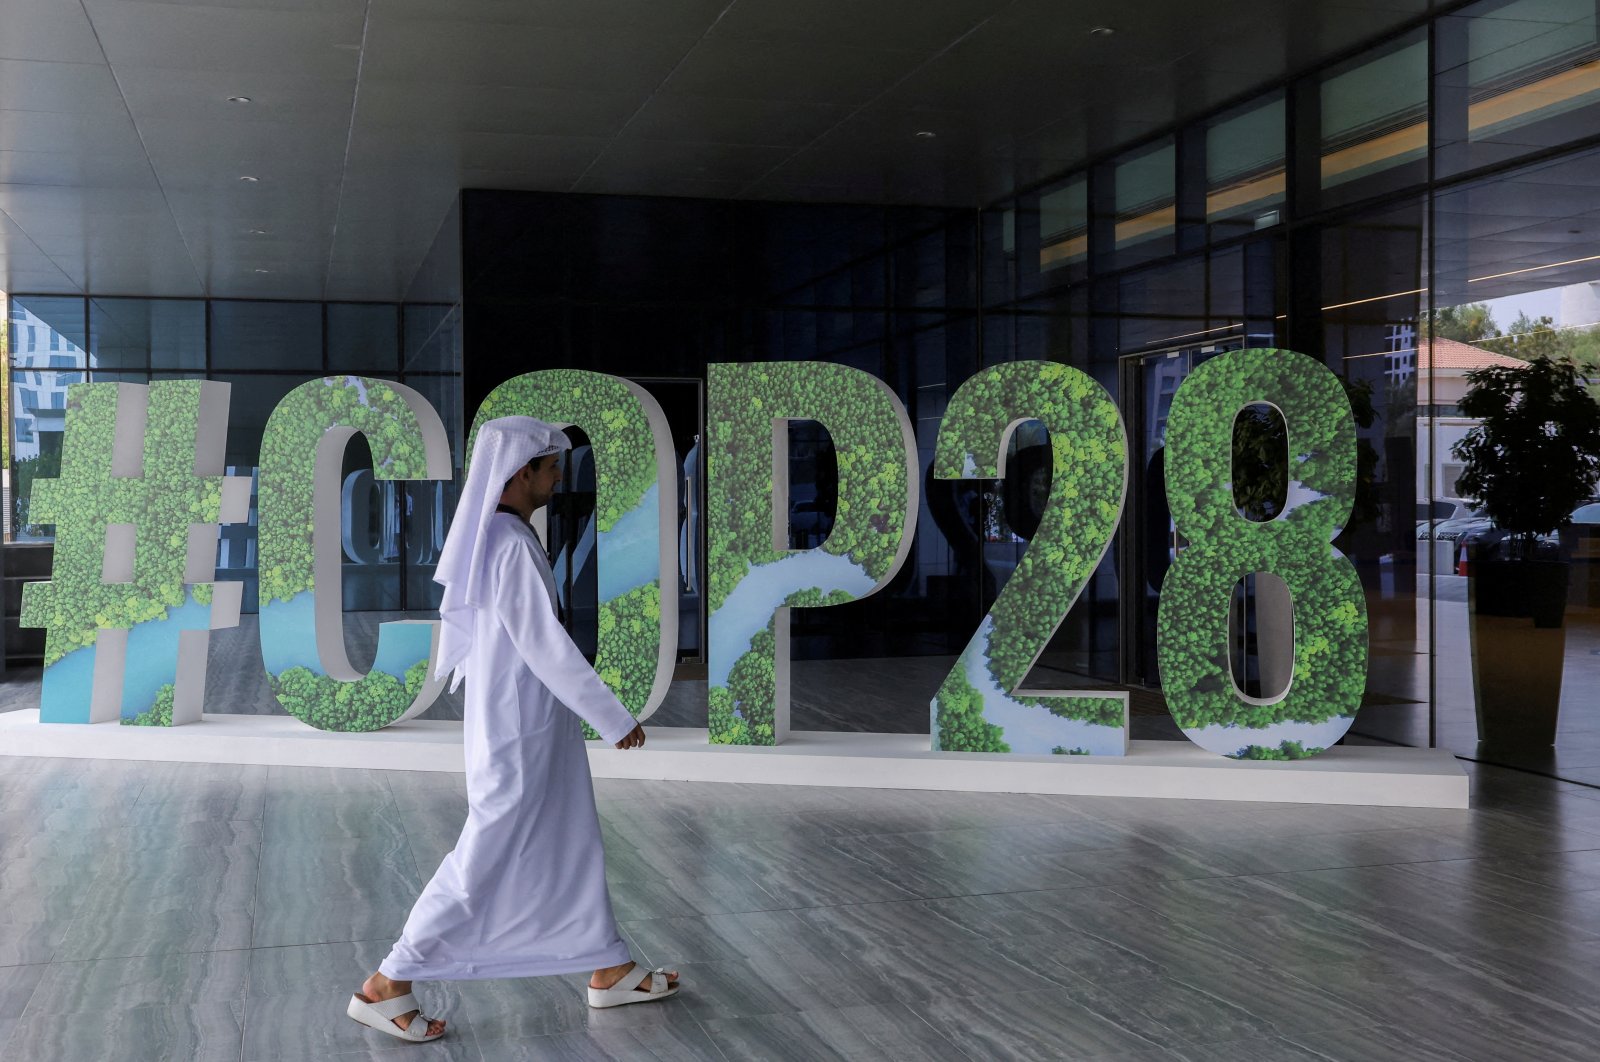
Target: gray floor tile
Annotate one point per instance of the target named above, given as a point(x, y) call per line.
point(316, 816)
point(888, 1031)
point(172, 979)
point(429, 849)
point(1379, 1043)
point(403, 783)
point(1167, 1011)
point(337, 969)
point(1288, 1005)
point(360, 888)
point(298, 1026)
point(733, 988)
point(17, 984)
point(203, 1032)
point(661, 1043)
point(230, 791)
point(28, 941)
point(152, 901)
point(523, 1008)
point(1270, 1049)
point(1029, 1025)
point(232, 916)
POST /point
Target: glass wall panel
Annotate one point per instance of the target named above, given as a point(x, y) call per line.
point(1372, 281)
point(137, 334)
point(48, 332)
point(1512, 76)
point(432, 338)
point(266, 335)
point(1517, 279)
point(1063, 229)
point(1375, 122)
point(1245, 168)
point(1145, 187)
point(47, 336)
point(363, 337)
point(255, 396)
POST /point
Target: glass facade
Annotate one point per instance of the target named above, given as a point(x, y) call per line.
point(1418, 209)
point(263, 350)
point(1374, 215)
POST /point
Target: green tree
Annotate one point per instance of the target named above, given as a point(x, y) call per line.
point(1470, 323)
point(1534, 455)
point(1531, 338)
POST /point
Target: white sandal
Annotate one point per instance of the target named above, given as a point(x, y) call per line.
point(381, 1016)
point(626, 990)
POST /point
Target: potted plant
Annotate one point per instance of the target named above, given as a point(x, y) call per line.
point(1533, 457)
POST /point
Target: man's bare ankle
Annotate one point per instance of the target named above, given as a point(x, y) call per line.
point(378, 987)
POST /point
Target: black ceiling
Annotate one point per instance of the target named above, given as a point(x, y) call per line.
point(121, 155)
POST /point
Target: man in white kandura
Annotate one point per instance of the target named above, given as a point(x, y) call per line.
point(524, 892)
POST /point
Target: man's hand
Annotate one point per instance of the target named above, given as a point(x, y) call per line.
point(634, 738)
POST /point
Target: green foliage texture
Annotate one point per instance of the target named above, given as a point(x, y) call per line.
point(864, 422)
point(28, 471)
point(159, 713)
point(1261, 477)
point(618, 426)
point(743, 712)
point(289, 446)
point(608, 412)
point(1088, 478)
point(371, 703)
point(1286, 750)
point(1330, 613)
point(74, 606)
point(958, 723)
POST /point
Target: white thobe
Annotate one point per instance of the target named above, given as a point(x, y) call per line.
point(524, 892)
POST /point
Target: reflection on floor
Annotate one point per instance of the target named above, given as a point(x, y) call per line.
point(1576, 756)
point(179, 911)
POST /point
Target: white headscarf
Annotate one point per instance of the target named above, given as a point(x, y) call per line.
point(503, 446)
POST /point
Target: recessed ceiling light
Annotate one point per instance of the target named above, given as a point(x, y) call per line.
point(926, 134)
point(238, 99)
point(250, 180)
point(263, 271)
point(258, 232)
point(1101, 31)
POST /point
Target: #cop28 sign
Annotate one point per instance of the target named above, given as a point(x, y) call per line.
point(130, 604)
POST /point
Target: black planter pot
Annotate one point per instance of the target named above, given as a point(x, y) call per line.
point(1518, 650)
point(1535, 589)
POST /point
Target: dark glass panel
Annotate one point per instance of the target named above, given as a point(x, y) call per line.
point(266, 335)
point(135, 334)
point(363, 337)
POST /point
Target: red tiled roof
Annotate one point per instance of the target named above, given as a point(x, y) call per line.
point(1449, 354)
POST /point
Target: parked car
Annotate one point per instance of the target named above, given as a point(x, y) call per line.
point(1452, 519)
point(1439, 512)
point(1483, 538)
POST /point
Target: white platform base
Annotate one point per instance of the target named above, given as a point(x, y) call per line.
point(1347, 774)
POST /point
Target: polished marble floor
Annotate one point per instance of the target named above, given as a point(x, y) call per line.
point(189, 912)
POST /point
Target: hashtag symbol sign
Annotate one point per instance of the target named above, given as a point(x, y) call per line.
point(130, 603)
